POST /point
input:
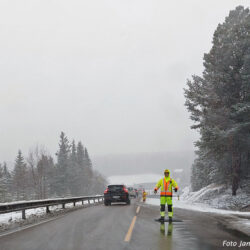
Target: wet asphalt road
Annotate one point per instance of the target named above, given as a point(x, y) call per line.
point(109, 228)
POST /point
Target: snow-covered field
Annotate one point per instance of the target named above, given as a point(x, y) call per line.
point(131, 180)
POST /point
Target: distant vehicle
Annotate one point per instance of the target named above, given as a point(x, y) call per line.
point(116, 193)
point(132, 192)
point(136, 192)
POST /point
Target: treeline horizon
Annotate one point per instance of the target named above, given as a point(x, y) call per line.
point(219, 103)
point(39, 176)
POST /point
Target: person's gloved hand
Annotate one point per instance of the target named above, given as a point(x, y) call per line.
point(155, 190)
point(176, 189)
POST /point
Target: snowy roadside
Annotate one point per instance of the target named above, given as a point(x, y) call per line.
point(9, 221)
point(217, 196)
point(236, 220)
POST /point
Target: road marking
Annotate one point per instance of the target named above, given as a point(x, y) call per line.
point(138, 210)
point(130, 230)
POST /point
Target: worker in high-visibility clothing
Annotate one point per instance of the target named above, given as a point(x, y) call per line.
point(144, 195)
point(166, 184)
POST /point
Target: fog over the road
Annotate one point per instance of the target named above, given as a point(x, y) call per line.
point(108, 73)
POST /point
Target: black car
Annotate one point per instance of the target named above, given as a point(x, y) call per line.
point(116, 193)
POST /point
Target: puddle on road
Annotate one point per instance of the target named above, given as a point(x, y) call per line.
point(176, 236)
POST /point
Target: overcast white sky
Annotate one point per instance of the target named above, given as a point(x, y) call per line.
point(110, 73)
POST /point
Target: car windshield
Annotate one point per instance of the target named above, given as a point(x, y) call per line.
point(115, 187)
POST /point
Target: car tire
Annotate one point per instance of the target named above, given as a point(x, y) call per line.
point(106, 203)
point(128, 202)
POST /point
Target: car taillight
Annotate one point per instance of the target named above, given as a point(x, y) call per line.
point(106, 191)
point(125, 190)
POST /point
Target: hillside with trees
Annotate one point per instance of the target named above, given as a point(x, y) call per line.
point(39, 177)
point(219, 104)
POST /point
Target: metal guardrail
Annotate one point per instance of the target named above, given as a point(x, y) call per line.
point(22, 206)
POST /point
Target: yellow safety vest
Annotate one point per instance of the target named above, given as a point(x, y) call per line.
point(166, 187)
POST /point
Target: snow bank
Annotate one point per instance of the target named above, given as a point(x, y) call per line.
point(198, 207)
point(217, 196)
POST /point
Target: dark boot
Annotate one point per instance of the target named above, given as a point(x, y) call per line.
point(170, 219)
point(161, 219)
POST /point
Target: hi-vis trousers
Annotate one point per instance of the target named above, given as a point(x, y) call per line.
point(167, 200)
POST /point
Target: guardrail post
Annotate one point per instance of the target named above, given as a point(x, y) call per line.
point(82, 202)
point(74, 204)
point(89, 201)
point(23, 214)
point(47, 210)
point(63, 205)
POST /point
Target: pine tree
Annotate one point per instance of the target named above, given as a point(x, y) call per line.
point(98, 183)
point(85, 165)
point(80, 154)
point(63, 166)
point(75, 173)
point(87, 159)
point(20, 178)
point(88, 172)
point(83, 173)
point(219, 102)
point(45, 168)
point(7, 182)
point(2, 185)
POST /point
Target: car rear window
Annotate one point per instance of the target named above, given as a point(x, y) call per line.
point(115, 187)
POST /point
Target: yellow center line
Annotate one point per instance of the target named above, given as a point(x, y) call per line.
point(130, 230)
point(138, 210)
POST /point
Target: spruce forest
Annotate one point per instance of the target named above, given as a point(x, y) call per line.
point(219, 104)
point(38, 177)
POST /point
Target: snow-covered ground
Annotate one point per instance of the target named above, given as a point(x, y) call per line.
point(198, 207)
point(217, 196)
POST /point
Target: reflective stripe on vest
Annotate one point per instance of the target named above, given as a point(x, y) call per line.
point(166, 187)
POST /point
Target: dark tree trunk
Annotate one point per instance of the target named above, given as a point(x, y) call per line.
point(236, 161)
